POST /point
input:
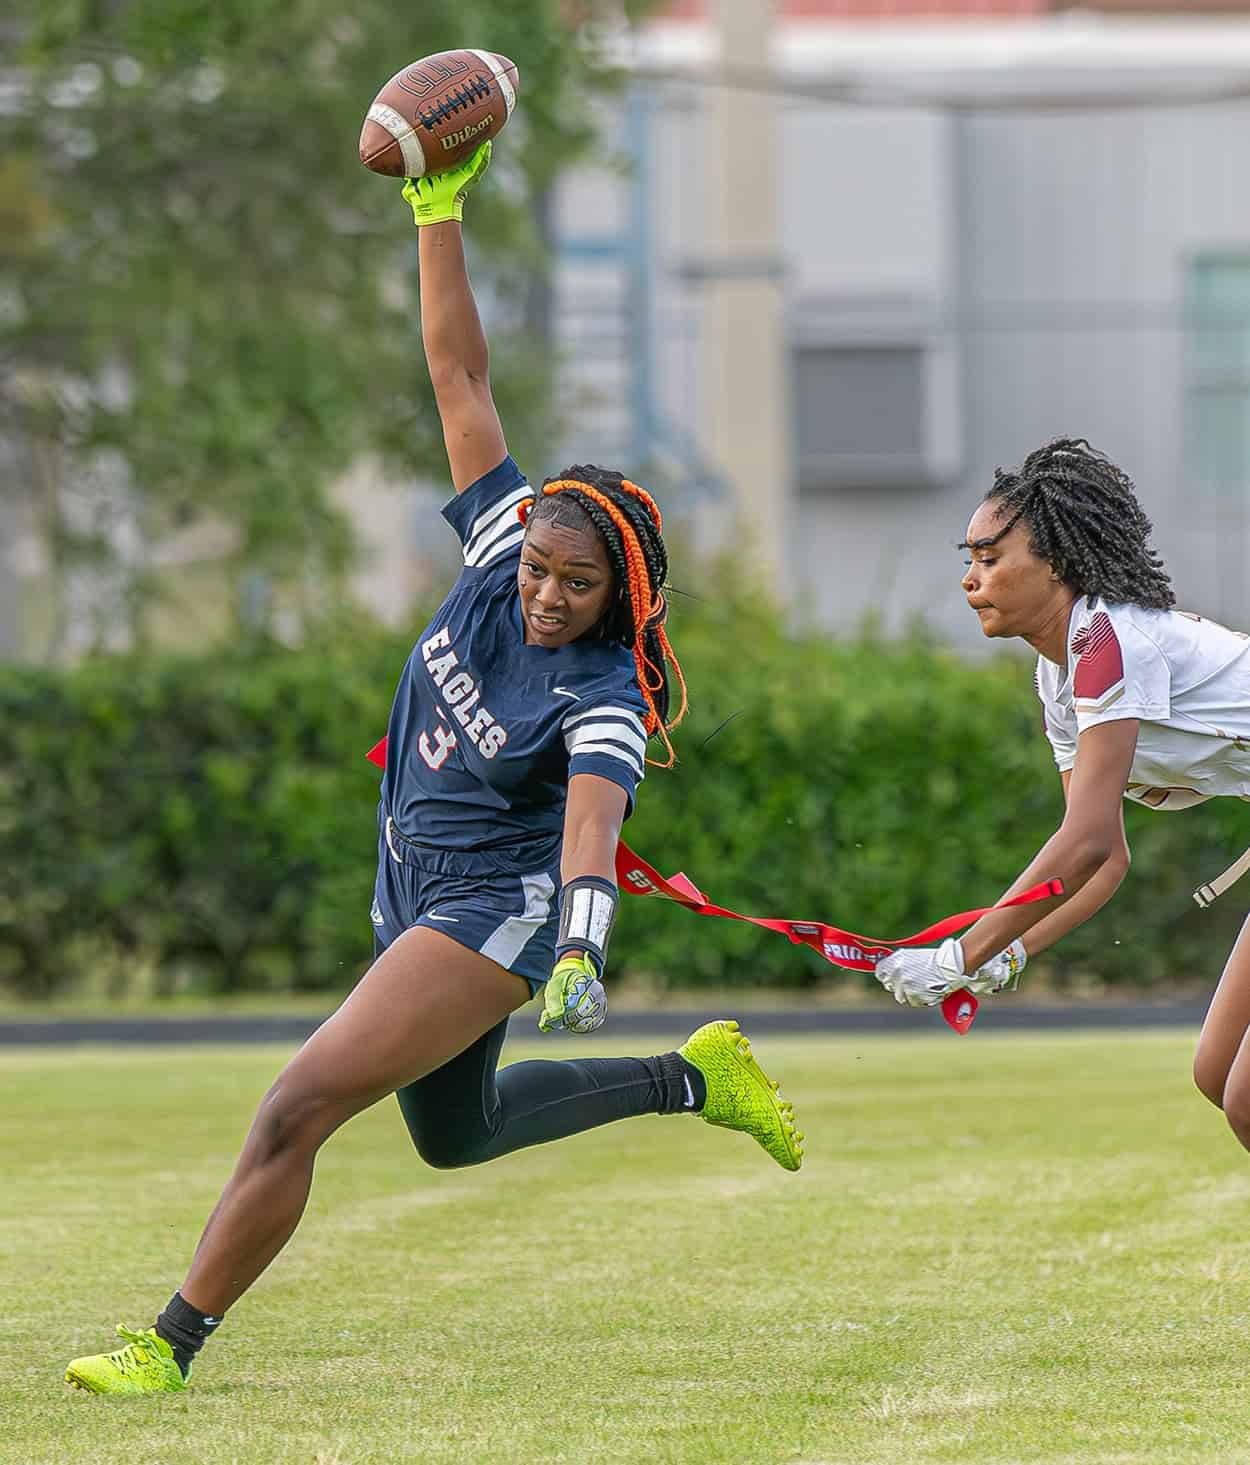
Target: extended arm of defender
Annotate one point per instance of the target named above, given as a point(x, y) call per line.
point(1090, 899)
point(1087, 852)
point(451, 329)
point(1088, 849)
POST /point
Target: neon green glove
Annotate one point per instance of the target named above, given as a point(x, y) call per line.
point(440, 196)
point(574, 998)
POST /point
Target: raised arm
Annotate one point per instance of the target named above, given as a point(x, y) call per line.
point(451, 329)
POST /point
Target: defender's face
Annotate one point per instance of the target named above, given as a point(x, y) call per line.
point(1012, 590)
point(565, 583)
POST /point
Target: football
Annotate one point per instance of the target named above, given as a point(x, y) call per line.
point(431, 115)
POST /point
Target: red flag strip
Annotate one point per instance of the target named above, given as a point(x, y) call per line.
point(842, 948)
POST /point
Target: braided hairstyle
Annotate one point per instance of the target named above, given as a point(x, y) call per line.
point(628, 521)
point(1084, 519)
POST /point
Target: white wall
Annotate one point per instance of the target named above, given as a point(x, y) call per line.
point(1042, 255)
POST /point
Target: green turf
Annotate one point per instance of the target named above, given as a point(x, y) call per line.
point(999, 1249)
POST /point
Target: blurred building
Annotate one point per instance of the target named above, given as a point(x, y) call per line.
point(976, 225)
point(860, 253)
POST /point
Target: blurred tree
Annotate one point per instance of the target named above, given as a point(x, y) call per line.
point(205, 301)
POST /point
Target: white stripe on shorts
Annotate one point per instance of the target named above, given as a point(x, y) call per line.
point(507, 942)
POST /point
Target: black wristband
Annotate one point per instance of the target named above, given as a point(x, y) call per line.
point(587, 915)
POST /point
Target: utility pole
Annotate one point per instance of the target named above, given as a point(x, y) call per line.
point(10, 600)
point(743, 367)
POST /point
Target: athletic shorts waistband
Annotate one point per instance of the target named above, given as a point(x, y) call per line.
point(431, 860)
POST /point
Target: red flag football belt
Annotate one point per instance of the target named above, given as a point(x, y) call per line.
point(842, 948)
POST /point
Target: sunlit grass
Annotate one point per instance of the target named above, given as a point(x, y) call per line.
point(999, 1249)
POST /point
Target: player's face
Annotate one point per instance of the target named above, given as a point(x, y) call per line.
point(1013, 591)
point(565, 583)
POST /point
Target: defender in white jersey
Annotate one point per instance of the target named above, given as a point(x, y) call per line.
point(514, 750)
point(1185, 680)
point(1139, 700)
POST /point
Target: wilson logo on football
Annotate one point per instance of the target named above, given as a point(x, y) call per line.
point(454, 139)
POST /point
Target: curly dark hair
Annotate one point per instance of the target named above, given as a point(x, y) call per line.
point(628, 521)
point(1084, 519)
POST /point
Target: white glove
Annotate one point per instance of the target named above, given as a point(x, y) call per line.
point(922, 976)
point(1001, 972)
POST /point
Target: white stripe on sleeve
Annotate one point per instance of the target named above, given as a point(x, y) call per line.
point(613, 732)
point(488, 515)
point(603, 709)
point(497, 551)
point(481, 544)
point(627, 732)
point(614, 750)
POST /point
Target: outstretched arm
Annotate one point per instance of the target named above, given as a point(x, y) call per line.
point(451, 329)
point(1091, 897)
point(1087, 852)
point(1091, 835)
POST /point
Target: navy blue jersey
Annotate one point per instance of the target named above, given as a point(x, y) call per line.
point(485, 731)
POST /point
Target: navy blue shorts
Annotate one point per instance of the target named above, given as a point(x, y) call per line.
point(512, 919)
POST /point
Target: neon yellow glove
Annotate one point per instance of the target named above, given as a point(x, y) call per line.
point(440, 196)
point(574, 998)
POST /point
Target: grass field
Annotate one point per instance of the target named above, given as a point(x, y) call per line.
point(999, 1249)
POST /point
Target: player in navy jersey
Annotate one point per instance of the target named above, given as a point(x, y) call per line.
point(516, 743)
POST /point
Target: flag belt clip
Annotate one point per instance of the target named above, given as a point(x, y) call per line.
point(1207, 894)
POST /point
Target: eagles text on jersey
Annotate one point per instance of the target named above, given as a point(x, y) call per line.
point(485, 732)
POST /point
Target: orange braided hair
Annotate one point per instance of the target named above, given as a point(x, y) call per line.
point(647, 602)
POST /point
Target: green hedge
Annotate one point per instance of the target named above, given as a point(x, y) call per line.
point(208, 821)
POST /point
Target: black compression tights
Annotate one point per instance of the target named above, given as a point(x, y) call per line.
point(466, 1112)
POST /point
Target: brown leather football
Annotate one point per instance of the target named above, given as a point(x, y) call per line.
point(431, 115)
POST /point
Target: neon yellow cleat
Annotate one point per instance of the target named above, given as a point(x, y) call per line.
point(144, 1366)
point(740, 1095)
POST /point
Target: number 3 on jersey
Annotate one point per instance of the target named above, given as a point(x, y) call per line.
point(436, 748)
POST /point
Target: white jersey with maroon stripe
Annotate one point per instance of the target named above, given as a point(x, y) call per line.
point(1187, 680)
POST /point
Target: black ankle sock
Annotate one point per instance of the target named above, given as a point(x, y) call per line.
point(694, 1086)
point(684, 1087)
point(186, 1329)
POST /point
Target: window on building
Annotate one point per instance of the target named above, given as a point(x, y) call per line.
point(1219, 374)
point(865, 413)
point(1217, 411)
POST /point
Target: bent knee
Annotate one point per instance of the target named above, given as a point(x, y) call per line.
point(440, 1157)
point(450, 1152)
point(1236, 1108)
point(1210, 1078)
point(443, 1147)
point(294, 1116)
